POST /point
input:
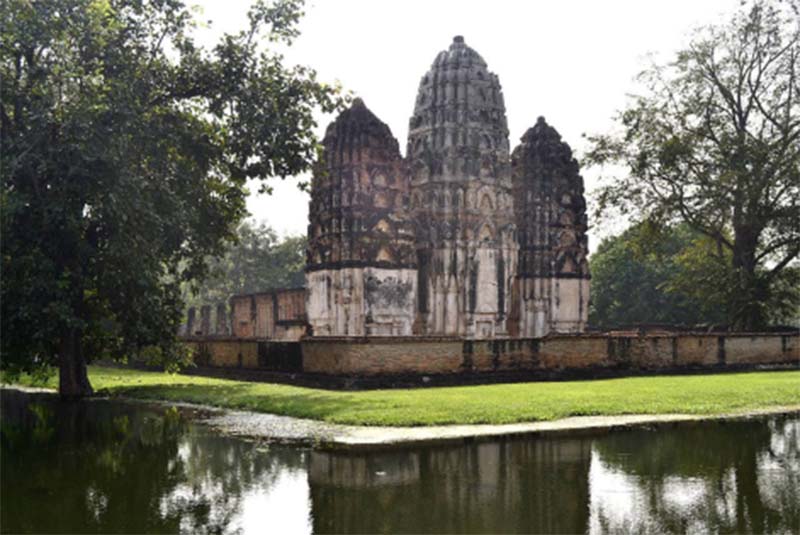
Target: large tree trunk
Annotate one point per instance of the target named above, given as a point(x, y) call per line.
point(73, 378)
point(749, 294)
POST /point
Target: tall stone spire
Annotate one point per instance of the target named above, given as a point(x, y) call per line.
point(551, 221)
point(461, 197)
point(459, 131)
point(361, 256)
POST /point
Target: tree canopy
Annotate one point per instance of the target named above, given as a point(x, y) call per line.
point(636, 278)
point(714, 142)
point(126, 147)
point(675, 276)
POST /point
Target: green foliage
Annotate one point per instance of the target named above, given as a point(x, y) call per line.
point(125, 152)
point(650, 274)
point(256, 262)
point(715, 143)
point(675, 275)
point(486, 404)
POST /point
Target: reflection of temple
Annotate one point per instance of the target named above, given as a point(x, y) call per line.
point(534, 486)
point(120, 467)
point(460, 237)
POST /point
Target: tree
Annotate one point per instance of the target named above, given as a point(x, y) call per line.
point(715, 144)
point(256, 262)
point(126, 147)
point(641, 276)
point(678, 276)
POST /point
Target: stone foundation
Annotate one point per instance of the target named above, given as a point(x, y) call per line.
point(359, 301)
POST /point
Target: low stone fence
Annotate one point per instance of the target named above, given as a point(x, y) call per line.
point(422, 355)
point(377, 356)
point(232, 352)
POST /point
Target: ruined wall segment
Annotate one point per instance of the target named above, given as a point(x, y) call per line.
point(361, 261)
point(461, 201)
point(551, 293)
point(276, 314)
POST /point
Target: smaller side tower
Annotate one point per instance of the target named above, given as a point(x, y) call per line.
point(360, 263)
point(552, 287)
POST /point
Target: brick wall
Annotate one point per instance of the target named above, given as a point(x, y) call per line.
point(440, 355)
point(275, 314)
point(227, 353)
point(374, 356)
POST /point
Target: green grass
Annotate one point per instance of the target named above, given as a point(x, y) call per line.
point(496, 404)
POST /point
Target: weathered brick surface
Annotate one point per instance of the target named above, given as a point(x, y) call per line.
point(697, 350)
point(573, 352)
point(273, 314)
point(442, 355)
point(365, 356)
point(227, 353)
point(756, 349)
point(369, 356)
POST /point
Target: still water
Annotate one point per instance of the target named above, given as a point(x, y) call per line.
point(102, 466)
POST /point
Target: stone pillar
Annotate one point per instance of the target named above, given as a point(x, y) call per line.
point(222, 325)
point(205, 320)
point(190, 321)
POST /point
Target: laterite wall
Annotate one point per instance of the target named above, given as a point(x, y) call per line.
point(373, 356)
point(442, 355)
point(225, 353)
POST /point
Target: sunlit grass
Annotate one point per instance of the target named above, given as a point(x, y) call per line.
point(496, 404)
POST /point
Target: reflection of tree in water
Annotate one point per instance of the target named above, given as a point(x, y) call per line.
point(740, 476)
point(105, 467)
point(219, 472)
point(507, 486)
point(98, 470)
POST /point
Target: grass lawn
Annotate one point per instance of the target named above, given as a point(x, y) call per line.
point(500, 403)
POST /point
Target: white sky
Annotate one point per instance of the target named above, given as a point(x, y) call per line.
point(572, 61)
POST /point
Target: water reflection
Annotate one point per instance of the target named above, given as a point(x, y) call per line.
point(106, 467)
point(536, 485)
point(741, 477)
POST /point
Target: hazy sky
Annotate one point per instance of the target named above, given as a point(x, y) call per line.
point(572, 61)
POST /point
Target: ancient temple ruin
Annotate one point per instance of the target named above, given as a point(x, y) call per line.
point(460, 257)
point(460, 237)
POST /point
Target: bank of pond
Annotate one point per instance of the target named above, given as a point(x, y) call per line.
point(709, 394)
point(108, 466)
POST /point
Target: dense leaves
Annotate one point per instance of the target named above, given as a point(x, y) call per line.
point(636, 278)
point(675, 276)
point(715, 143)
point(258, 261)
point(125, 152)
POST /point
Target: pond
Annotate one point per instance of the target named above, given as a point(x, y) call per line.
point(105, 466)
